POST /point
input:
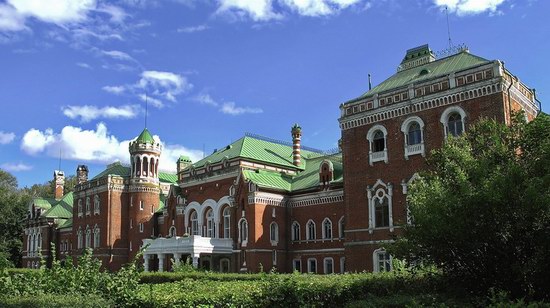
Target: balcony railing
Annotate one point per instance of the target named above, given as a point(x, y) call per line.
point(378, 156)
point(188, 245)
point(414, 149)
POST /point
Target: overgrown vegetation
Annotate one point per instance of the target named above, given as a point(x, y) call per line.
point(482, 211)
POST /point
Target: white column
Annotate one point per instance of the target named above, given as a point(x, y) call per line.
point(161, 262)
point(145, 262)
point(195, 260)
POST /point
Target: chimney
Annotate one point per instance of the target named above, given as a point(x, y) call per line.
point(59, 179)
point(81, 174)
point(296, 138)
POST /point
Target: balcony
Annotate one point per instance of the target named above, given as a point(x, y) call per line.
point(378, 156)
point(188, 245)
point(414, 149)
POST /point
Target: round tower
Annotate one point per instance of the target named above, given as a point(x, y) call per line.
point(144, 158)
point(296, 132)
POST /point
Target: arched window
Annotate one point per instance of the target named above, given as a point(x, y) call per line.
point(243, 232)
point(39, 242)
point(380, 206)
point(226, 222)
point(79, 207)
point(310, 230)
point(88, 205)
point(138, 166)
point(453, 121)
point(413, 130)
point(274, 233)
point(194, 223)
point(96, 204)
point(88, 237)
point(210, 232)
point(455, 124)
point(341, 227)
point(328, 265)
point(295, 231)
point(79, 238)
point(172, 231)
point(96, 237)
point(327, 229)
point(381, 261)
point(144, 168)
point(378, 145)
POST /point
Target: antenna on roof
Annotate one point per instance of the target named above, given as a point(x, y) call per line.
point(59, 165)
point(448, 27)
point(370, 84)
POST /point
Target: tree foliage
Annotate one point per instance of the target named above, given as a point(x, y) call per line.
point(482, 210)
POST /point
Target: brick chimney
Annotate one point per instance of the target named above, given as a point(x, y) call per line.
point(81, 174)
point(59, 179)
point(296, 139)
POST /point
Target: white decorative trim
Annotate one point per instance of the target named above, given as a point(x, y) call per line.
point(385, 191)
point(375, 265)
point(317, 198)
point(414, 148)
point(266, 198)
point(380, 155)
point(444, 119)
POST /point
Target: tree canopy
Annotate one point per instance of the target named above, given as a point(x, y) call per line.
point(481, 212)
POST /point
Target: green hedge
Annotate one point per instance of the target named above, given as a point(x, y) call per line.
point(54, 301)
point(164, 277)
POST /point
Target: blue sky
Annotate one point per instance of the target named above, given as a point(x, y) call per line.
point(74, 73)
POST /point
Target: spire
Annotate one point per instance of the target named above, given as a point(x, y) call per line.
point(145, 137)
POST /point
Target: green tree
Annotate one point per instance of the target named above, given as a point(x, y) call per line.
point(13, 207)
point(481, 211)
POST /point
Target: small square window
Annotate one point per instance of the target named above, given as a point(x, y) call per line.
point(404, 95)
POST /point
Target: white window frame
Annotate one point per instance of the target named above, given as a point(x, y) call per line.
point(445, 119)
point(97, 239)
point(194, 220)
point(325, 267)
point(375, 260)
point(172, 231)
point(88, 206)
point(381, 155)
point(324, 231)
point(309, 260)
point(79, 238)
point(97, 204)
point(79, 207)
point(309, 236)
point(380, 191)
point(295, 235)
point(413, 149)
point(342, 265)
point(274, 233)
point(243, 232)
point(294, 265)
point(210, 225)
point(141, 206)
point(141, 227)
point(227, 222)
point(88, 239)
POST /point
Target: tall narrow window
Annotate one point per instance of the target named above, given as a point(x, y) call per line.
point(141, 227)
point(312, 265)
point(412, 129)
point(327, 229)
point(88, 237)
point(382, 217)
point(378, 146)
point(274, 233)
point(455, 124)
point(341, 227)
point(210, 223)
point(378, 142)
point(194, 223)
point(226, 223)
point(79, 238)
point(295, 231)
point(172, 231)
point(141, 205)
point(88, 205)
point(79, 207)
point(96, 237)
point(328, 265)
point(414, 136)
point(380, 206)
point(243, 231)
point(96, 204)
point(310, 230)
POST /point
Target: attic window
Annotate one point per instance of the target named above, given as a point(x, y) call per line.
point(424, 72)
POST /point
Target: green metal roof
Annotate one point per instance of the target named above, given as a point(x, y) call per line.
point(66, 224)
point(124, 171)
point(62, 208)
point(271, 152)
point(145, 137)
point(162, 200)
point(306, 179)
point(460, 61)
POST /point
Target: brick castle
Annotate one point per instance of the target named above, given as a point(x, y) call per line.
point(261, 203)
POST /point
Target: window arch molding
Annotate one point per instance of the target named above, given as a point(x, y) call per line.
point(97, 204)
point(415, 148)
point(445, 118)
point(274, 233)
point(243, 232)
point(310, 230)
point(381, 192)
point(295, 231)
point(381, 155)
point(381, 261)
point(327, 229)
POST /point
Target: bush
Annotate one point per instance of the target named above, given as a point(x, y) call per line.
point(55, 301)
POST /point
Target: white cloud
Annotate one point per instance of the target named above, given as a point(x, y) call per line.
point(151, 100)
point(466, 7)
point(193, 29)
point(114, 89)
point(165, 84)
point(10, 20)
point(205, 99)
point(97, 146)
point(84, 65)
point(117, 55)
point(117, 14)
point(232, 109)
point(319, 7)
point(54, 11)
point(88, 113)
point(15, 167)
point(6, 138)
point(258, 10)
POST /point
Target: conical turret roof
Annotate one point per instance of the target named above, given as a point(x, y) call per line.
point(145, 137)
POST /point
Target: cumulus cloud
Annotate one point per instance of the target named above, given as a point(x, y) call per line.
point(87, 113)
point(95, 146)
point(54, 11)
point(16, 167)
point(10, 20)
point(6, 137)
point(258, 10)
point(466, 7)
point(193, 29)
